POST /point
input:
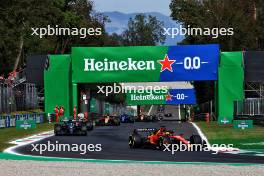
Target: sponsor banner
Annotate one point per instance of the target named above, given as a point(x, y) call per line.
point(106, 108)
point(181, 96)
point(34, 117)
point(17, 116)
point(25, 124)
point(7, 121)
point(145, 63)
point(243, 124)
point(92, 105)
point(2, 123)
point(42, 116)
point(12, 122)
point(225, 120)
point(172, 96)
point(191, 63)
point(25, 117)
point(145, 98)
point(37, 118)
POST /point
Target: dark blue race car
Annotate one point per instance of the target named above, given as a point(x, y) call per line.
point(125, 118)
point(72, 127)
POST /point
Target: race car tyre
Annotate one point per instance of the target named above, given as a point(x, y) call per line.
point(57, 129)
point(89, 126)
point(196, 139)
point(135, 141)
point(116, 122)
point(84, 133)
point(57, 133)
point(84, 128)
point(160, 118)
point(81, 133)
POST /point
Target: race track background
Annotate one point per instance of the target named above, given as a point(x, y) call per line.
point(114, 140)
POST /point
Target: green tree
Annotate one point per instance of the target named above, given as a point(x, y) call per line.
point(236, 14)
point(143, 30)
point(19, 16)
point(244, 16)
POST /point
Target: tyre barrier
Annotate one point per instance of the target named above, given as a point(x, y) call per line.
point(7, 121)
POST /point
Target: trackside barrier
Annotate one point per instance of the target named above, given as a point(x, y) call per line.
point(7, 121)
point(2, 122)
point(207, 107)
point(250, 109)
point(21, 97)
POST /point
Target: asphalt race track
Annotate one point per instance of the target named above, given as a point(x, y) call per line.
point(114, 142)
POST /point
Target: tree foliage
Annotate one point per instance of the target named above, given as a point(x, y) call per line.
point(236, 14)
point(19, 16)
point(143, 30)
point(244, 16)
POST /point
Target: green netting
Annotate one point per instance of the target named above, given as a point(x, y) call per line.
point(57, 83)
point(230, 84)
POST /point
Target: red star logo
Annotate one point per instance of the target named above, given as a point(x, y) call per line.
point(166, 64)
point(168, 97)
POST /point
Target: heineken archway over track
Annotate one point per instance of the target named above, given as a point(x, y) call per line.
point(137, 64)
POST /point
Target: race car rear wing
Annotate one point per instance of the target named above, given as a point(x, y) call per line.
point(145, 129)
point(67, 120)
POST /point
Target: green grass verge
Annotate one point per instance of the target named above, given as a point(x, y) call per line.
point(23, 112)
point(10, 134)
point(226, 134)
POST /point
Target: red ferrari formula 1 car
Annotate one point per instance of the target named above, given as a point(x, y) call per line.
point(157, 138)
point(108, 121)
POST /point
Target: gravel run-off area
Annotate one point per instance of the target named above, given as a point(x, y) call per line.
point(44, 168)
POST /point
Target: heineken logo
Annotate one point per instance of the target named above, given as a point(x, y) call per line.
point(146, 97)
point(90, 64)
point(225, 121)
point(25, 125)
point(128, 64)
point(166, 64)
point(243, 125)
point(168, 97)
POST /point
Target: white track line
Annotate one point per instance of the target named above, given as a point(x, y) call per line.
point(26, 141)
point(150, 109)
point(229, 150)
point(201, 134)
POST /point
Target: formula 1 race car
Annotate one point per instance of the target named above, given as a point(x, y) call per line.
point(88, 122)
point(148, 118)
point(108, 121)
point(124, 118)
point(157, 138)
point(72, 127)
point(168, 115)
